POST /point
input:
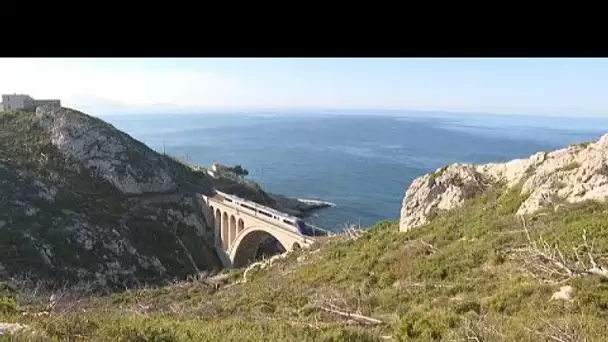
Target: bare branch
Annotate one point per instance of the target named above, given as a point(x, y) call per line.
point(262, 265)
point(546, 263)
point(352, 231)
point(361, 318)
point(431, 247)
point(555, 333)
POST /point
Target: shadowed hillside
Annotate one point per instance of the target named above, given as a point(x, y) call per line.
point(84, 202)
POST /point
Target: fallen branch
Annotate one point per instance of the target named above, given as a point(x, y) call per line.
point(431, 247)
point(553, 337)
point(262, 265)
point(352, 231)
point(480, 330)
point(400, 284)
point(249, 268)
point(357, 317)
point(545, 262)
point(333, 302)
point(595, 268)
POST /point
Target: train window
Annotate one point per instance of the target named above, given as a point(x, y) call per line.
point(264, 213)
point(308, 230)
point(301, 224)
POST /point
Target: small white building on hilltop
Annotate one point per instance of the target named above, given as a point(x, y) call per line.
point(25, 102)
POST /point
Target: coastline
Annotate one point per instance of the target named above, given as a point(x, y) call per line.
point(317, 203)
point(300, 207)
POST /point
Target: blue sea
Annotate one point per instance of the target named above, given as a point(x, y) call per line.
point(361, 162)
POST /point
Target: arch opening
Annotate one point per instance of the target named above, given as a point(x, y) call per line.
point(225, 237)
point(241, 226)
point(212, 211)
point(232, 229)
point(255, 246)
point(218, 224)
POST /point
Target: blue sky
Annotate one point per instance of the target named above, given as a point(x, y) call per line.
point(570, 87)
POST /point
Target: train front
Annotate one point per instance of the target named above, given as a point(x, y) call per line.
point(309, 230)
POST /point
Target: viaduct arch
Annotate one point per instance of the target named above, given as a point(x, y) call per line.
point(239, 231)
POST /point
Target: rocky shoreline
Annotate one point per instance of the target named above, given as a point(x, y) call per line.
point(298, 206)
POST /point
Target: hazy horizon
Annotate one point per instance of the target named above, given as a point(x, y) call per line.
point(562, 87)
point(327, 111)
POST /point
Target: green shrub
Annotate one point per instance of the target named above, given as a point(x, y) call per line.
point(569, 167)
point(8, 304)
point(425, 326)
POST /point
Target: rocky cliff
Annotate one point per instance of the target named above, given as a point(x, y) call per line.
point(546, 179)
point(84, 202)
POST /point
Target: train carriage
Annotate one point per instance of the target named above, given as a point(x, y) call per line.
point(289, 222)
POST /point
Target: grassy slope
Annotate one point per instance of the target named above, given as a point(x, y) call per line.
point(469, 284)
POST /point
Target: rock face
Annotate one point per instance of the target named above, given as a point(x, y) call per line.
point(82, 201)
point(108, 153)
point(572, 174)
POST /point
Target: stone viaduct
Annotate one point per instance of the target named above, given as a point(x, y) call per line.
point(241, 225)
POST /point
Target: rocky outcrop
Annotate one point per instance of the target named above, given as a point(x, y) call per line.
point(83, 202)
point(114, 156)
point(572, 174)
point(444, 189)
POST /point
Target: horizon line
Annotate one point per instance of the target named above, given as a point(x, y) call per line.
point(371, 111)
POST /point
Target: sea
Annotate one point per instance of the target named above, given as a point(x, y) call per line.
point(362, 162)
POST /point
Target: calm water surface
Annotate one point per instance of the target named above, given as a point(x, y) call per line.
point(362, 163)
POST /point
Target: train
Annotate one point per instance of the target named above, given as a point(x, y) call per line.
point(290, 222)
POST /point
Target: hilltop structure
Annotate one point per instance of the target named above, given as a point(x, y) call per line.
point(25, 102)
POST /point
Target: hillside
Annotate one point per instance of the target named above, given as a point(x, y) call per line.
point(82, 202)
point(477, 271)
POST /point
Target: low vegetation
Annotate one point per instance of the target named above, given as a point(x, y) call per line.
point(478, 273)
point(583, 144)
point(569, 167)
point(438, 173)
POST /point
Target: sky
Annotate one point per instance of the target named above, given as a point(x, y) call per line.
point(535, 86)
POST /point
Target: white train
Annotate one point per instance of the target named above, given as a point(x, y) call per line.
point(287, 221)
